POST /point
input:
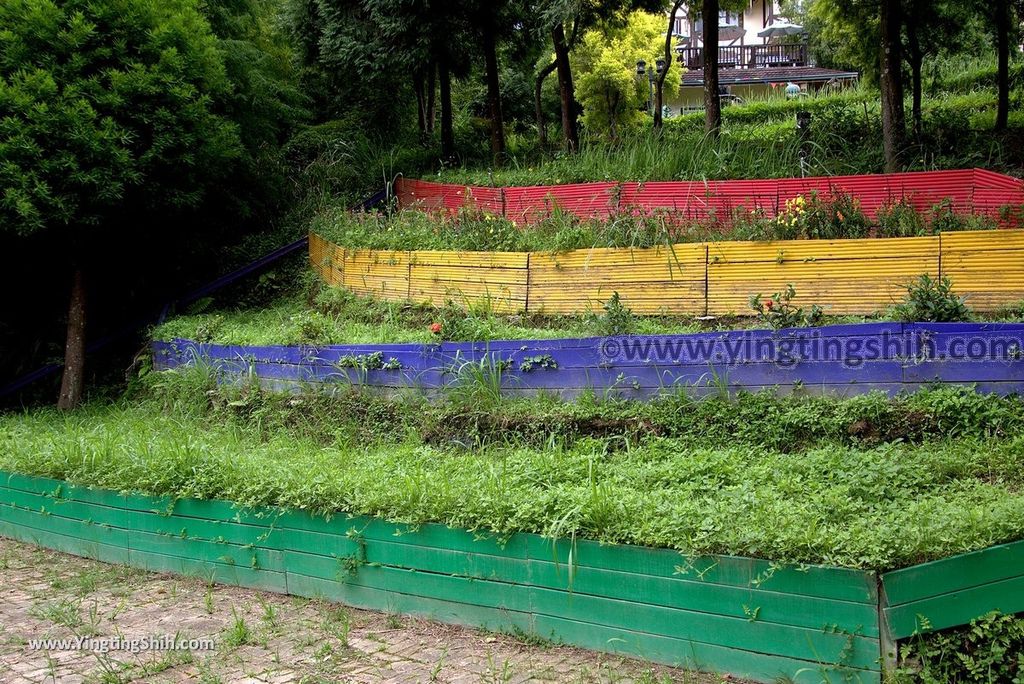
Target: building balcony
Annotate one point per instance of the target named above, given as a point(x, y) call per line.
point(748, 56)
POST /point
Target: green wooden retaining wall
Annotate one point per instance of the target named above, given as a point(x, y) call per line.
point(954, 591)
point(744, 616)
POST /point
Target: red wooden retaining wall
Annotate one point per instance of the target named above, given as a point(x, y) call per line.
point(968, 191)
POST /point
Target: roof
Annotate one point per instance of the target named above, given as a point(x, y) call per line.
point(801, 74)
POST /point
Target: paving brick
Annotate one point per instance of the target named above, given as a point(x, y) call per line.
point(284, 650)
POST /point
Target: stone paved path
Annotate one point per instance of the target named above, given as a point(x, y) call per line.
point(257, 637)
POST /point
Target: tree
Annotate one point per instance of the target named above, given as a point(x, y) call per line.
point(581, 15)
point(538, 101)
point(1002, 11)
point(891, 67)
point(712, 98)
point(106, 112)
point(932, 27)
point(844, 34)
point(659, 85)
point(566, 91)
point(605, 63)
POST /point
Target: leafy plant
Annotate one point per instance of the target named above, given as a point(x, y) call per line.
point(900, 219)
point(539, 361)
point(990, 649)
point(778, 311)
point(617, 318)
point(932, 300)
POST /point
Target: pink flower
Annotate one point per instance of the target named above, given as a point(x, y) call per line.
point(435, 328)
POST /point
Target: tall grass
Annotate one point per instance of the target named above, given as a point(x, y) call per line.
point(858, 505)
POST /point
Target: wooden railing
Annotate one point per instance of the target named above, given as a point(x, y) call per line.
point(748, 56)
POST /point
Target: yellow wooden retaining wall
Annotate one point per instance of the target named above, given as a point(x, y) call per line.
point(841, 276)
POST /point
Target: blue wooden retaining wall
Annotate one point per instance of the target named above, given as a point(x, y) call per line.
point(842, 359)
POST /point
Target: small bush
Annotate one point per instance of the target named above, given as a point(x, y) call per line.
point(900, 219)
point(617, 318)
point(778, 311)
point(990, 649)
point(931, 300)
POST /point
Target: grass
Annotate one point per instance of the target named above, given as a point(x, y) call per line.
point(317, 314)
point(813, 480)
point(759, 140)
point(339, 317)
point(811, 217)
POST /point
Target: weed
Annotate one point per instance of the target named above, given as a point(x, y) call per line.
point(799, 479)
point(990, 649)
point(932, 300)
point(778, 311)
point(238, 634)
point(617, 318)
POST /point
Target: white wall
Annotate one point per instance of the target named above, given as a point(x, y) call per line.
point(753, 22)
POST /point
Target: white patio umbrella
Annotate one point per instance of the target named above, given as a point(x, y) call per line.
point(781, 28)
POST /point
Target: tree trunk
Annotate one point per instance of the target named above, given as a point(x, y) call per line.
point(538, 104)
point(1002, 10)
point(712, 99)
point(493, 93)
point(659, 85)
point(915, 58)
point(431, 98)
point(447, 132)
point(894, 125)
point(419, 89)
point(565, 89)
point(73, 382)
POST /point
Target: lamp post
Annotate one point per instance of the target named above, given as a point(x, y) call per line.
point(652, 76)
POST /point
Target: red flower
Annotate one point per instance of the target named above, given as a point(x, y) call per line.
point(435, 328)
point(769, 303)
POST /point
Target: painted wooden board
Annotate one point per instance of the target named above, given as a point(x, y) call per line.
point(953, 591)
point(842, 359)
point(743, 614)
point(841, 276)
point(660, 280)
point(495, 280)
point(736, 612)
point(986, 267)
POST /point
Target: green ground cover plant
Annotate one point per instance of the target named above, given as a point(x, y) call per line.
point(759, 140)
point(314, 313)
point(803, 218)
point(796, 480)
point(989, 649)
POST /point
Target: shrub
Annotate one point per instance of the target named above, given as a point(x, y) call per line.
point(778, 311)
point(900, 219)
point(617, 318)
point(931, 300)
point(816, 217)
point(990, 649)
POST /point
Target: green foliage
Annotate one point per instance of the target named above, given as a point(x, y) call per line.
point(107, 103)
point(808, 217)
point(990, 649)
point(811, 217)
point(617, 318)
point(778, 311)
point(932, 300)
point(827, 496)
point(332, 315)
point(604, 63)
point(541, 361)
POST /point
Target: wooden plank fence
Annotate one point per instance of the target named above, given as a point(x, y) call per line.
point(839, 360)
point(739, 615)
point(751, 618)
point(842, 276)
point(963, 191)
